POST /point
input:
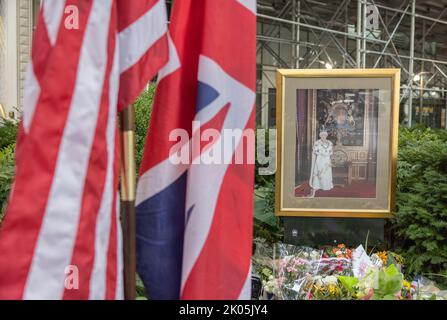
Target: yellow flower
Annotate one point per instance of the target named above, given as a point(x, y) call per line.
point(383, 255)
point(399, 259)
point(406, 285)
point(333, 290)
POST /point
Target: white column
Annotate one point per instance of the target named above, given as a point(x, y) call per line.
point(9, 77)
point(25, 34)
point(2, 52)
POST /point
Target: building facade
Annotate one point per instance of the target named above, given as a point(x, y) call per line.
point(17, 21)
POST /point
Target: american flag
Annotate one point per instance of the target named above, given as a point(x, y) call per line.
point(194, 221)
point(63, 210)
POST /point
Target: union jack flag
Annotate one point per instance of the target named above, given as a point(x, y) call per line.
point(194, 219)
point(63, 210)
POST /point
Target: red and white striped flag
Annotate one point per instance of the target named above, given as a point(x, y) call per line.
point(62, 217)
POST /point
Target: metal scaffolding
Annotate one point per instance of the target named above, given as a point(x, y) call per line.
point(406, 34)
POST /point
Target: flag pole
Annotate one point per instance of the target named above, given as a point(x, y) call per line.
point(128, 182)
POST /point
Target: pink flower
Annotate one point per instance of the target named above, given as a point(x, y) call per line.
point(369, 295)
point(281, 281)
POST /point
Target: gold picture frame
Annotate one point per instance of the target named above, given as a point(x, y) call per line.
point(383, 86)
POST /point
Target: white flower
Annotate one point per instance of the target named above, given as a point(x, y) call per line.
point(369, 281)
point(315, 255)
point(317, 280)
point(330, 280)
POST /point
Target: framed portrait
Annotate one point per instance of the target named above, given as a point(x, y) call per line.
point(337, 142)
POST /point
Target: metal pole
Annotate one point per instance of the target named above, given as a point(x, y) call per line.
point(416, 15)
point(298, 34)
point(445, 113)
point(364, 34)
point(359, 32)
point(421, 94)
point(345, 39)
point(387, 23)
point(431, 89)
point(293, 47)
point(390, 38)
point(411, 63)
point(128, 181)
point(406, 57)
point(330, 23)
point(310, 26)
point(272, 28)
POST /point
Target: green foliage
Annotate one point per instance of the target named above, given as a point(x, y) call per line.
point(6, 176)
point(141, 293)
point(8, 133)
point(263, 180)
point(421, 220)
point(389, 284)
point(143, 110)
point(348, 282)
point(266, 224)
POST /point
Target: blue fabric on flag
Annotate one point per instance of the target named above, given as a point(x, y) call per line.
point(160, 226)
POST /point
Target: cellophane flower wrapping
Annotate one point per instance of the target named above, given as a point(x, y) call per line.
point(332, 273)
point(299, 270)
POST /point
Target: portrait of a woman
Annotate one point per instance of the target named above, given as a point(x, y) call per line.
point(321, 170)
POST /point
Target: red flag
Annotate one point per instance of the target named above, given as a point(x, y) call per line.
point(61, 236)
point(194, 221)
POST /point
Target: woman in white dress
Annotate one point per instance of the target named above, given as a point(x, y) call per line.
point(321, 171)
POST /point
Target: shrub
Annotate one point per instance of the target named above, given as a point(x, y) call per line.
point(8, 133)
point(6, 176)
point(266, 225)
point(143, 110)
point(420, 224)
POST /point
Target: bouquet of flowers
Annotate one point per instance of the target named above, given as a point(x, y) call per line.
point(339, 273)
point(340, 251)
point(379, 283)
point(325, 288)
point(294, 269)
point(334, 266)
point(262, 260)
point(271, 288)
